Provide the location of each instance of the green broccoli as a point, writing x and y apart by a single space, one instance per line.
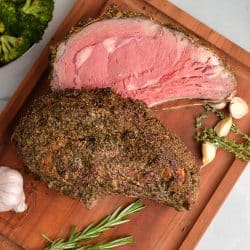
16 1
41 9
30 28
22 24
8 15
2 28
12 47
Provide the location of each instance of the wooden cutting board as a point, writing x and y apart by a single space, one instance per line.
157 227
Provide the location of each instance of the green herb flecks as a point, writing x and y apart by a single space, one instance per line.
204 133
199 119
75 238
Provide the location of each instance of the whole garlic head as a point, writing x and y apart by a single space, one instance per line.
12 196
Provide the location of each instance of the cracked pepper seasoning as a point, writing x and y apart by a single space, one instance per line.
92 143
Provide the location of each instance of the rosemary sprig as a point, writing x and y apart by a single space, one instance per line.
94 230
108 245
203 133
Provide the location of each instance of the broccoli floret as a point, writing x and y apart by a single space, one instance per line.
2 28
16 1
31 28
8 15
12 47
22 23
41 9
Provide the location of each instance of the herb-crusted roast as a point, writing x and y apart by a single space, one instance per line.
92 143
141 59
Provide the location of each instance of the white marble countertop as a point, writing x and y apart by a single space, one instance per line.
230 230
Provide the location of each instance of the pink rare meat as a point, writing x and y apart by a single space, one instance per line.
141 59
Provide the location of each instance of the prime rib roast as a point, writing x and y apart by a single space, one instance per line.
92 143
141 59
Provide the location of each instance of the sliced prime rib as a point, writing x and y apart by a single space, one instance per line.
92 143
141 59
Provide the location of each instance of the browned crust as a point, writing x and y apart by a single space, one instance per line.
137 154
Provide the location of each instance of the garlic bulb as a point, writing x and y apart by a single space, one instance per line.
238 108
223 127
11 191
208 152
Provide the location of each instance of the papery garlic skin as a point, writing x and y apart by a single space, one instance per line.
238 108
12 197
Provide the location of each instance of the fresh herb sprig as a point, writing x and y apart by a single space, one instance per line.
75 238
235 128
204 133
108 245
240 150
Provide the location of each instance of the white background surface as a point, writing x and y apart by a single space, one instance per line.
230 230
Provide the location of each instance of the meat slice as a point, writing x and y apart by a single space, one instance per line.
92 143
141 59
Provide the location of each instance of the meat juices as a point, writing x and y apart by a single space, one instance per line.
140 59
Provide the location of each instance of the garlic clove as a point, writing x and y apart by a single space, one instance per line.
218 105
223 127
208 152
238 108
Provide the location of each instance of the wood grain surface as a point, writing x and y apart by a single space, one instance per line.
6 244
157 227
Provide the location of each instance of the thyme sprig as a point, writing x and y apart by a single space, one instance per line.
75 238
199 119
240 150
235 128
204 133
